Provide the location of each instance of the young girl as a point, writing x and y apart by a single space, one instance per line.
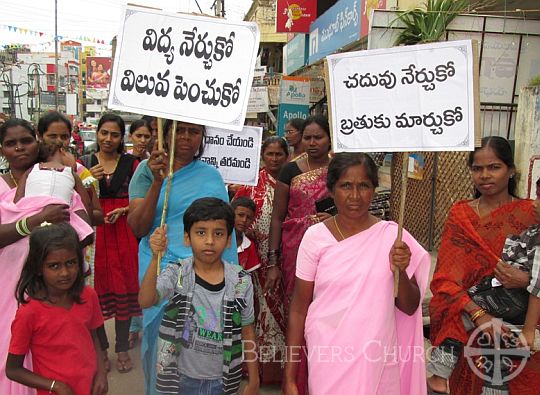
56 319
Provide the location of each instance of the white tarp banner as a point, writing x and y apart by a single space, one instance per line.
414 98
190 68
258 99
235 154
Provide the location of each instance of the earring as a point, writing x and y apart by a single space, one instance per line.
512 175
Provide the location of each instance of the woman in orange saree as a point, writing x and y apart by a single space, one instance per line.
471 246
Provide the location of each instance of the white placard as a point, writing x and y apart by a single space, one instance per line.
258 99
414 98
190 68
235 154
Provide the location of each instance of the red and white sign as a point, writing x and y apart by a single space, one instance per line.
295 16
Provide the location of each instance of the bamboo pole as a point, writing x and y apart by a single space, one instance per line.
169 176
404 179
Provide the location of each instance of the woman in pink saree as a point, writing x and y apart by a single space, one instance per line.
359 338
300 186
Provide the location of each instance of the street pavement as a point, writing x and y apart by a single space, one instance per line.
132 383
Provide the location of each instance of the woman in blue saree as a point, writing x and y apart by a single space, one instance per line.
192 179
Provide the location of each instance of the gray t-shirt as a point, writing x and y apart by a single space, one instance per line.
201 356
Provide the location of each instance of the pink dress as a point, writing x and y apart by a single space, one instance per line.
358 342
12 258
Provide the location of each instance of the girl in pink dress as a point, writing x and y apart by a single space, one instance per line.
56 319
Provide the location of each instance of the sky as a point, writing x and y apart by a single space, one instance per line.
90 19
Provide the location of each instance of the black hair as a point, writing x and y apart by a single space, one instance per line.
502 149
51 117
297 123
538 183
343 160
47 150
110 117
167 126
44 240
243 201
14 122
148 118
139 123
208 209
275 139
319 120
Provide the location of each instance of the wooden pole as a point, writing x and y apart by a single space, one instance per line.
404 179
159 122
169 177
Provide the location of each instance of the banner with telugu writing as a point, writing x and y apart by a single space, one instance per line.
190 68
235 154
414 98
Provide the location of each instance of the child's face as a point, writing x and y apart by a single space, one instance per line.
243 218
208 239
60 270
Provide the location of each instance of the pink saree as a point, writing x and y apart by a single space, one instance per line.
358 342
12 258
304 191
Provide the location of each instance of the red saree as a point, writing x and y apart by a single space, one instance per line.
469 251
270 317
304 191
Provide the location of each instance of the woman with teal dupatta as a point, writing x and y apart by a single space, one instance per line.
192 179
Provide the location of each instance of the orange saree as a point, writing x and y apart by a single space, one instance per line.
469 251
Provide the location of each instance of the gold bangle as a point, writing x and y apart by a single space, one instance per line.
478 314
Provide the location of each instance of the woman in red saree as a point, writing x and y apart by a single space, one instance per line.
270 321
301 184
470 250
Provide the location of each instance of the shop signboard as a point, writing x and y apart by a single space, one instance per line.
258 99
337 27
98 73
296 53
190 68
295 16
367 8
413 98
293 100
286 112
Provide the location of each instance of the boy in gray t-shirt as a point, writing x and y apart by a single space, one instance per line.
209 319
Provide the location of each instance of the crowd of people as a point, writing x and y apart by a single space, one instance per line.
290 283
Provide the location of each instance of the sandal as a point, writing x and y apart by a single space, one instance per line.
124 363
133 339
